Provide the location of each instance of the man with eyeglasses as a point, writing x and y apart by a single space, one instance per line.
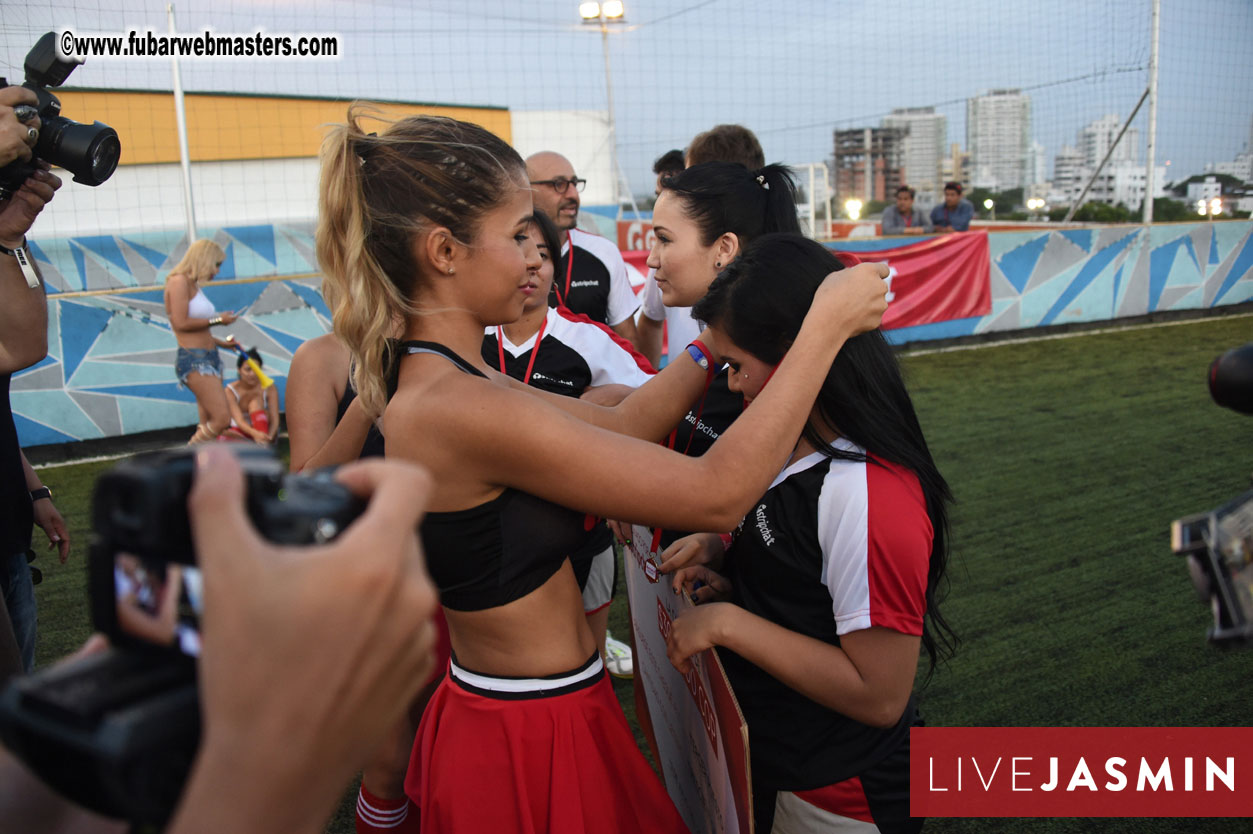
593 280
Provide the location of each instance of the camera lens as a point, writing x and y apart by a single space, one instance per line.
89 152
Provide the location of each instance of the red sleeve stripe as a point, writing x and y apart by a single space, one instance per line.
876 544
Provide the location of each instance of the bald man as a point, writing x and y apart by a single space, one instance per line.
593 278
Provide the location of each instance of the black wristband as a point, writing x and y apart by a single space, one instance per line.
12 253
42 492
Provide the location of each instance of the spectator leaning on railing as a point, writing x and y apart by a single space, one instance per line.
955 213
903 218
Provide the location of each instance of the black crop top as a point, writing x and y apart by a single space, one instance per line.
499 551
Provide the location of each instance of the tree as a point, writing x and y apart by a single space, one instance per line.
1166 210
1093 212
1226 181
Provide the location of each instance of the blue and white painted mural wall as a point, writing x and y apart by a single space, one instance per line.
110 364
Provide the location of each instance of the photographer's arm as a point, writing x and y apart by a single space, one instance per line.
257 751
23 308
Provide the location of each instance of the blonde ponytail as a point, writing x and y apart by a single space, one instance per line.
364 302
377 194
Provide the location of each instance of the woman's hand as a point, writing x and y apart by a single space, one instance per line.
697 629
702 585
855 297
696 549
229 317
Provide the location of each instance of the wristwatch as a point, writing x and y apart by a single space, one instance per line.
42 492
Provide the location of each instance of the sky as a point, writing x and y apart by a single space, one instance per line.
793 73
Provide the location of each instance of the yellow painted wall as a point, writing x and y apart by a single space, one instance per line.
224 127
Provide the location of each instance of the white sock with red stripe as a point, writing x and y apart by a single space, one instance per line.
394 816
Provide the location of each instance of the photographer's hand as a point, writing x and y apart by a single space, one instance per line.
310 654
16 139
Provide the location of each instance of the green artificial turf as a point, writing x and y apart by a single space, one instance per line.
1068 458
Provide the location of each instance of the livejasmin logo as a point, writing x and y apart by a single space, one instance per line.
1081 771
1023 776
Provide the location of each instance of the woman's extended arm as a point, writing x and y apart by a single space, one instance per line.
854 303
487 434
868 677
318 366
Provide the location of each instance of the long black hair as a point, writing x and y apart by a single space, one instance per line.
723 197
863 397
552 239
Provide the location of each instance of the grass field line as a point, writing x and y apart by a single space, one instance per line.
99 458
77 461
1074 334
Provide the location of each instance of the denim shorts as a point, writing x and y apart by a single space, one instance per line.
197 361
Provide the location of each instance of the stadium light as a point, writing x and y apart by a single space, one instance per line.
853 209
987 204
1201 208
1215 207
602 14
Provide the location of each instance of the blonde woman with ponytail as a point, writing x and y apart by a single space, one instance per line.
428 222
192 317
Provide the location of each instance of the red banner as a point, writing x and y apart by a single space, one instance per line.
940 279
1081 772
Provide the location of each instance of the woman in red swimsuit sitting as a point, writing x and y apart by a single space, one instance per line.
254 410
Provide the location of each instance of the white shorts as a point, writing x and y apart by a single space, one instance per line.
793 815
598 592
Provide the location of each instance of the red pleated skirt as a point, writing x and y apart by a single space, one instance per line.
533 756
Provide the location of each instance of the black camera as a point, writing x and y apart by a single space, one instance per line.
1219 549
116 732
89 152
1219 544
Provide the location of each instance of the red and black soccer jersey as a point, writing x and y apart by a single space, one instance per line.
834 546
595 281
576 353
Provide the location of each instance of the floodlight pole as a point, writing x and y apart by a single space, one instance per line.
1150 172
180 115
613 132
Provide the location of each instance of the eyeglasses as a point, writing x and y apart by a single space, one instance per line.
560 184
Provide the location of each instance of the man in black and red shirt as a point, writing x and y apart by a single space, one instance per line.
595 280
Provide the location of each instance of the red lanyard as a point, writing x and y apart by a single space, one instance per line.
674 436
562 296
500 347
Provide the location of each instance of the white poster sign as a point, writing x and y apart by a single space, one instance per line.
701 737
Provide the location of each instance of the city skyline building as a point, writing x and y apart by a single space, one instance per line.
868 163
922 149
1096 138
998 138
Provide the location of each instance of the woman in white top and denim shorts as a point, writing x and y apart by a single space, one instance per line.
192 316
